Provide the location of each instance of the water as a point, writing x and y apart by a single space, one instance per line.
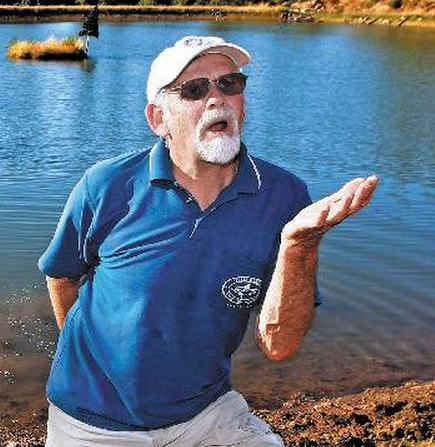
327 102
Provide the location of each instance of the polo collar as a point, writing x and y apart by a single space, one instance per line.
160 163
247 180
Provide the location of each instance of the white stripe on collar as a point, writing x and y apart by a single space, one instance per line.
257 172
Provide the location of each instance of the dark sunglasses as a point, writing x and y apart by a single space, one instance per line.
195 89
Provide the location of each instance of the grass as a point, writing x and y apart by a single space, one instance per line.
385 18
69 48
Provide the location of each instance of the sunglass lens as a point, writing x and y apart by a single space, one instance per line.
232 84
195 89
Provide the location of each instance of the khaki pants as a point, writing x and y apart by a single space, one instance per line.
226 422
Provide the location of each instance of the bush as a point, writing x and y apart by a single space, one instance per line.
49 49
184 2
280 3
229 2
40 2
87 2
396 4
154 2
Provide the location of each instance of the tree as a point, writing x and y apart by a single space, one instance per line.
90 26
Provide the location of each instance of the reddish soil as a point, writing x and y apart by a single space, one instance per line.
377 417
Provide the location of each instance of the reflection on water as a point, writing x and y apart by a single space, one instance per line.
87 65
327 102
27 342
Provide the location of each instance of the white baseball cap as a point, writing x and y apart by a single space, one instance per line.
169 64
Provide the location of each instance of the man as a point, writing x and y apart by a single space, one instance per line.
168 250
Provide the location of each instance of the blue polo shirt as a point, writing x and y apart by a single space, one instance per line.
167 288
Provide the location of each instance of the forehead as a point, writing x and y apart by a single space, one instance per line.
209 65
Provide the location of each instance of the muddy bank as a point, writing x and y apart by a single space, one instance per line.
400 416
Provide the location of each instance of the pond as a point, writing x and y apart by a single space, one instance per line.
327 102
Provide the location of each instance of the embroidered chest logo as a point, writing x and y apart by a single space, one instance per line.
241 291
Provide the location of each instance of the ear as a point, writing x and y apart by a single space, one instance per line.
155 118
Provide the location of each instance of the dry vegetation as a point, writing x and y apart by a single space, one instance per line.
384 12
70 48
360 12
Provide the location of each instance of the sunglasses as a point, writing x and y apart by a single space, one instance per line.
229 84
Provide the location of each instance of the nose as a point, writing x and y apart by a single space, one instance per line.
215 98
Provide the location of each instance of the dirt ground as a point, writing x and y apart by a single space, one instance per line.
377 417
394 417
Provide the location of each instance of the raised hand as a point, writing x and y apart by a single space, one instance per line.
312 222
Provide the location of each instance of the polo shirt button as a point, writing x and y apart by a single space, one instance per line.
189 200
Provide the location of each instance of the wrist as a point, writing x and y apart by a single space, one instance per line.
303 243
293 254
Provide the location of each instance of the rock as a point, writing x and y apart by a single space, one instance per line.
389 410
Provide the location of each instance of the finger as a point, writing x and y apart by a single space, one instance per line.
323 216
340 210
364 193
321 225
349 187
352 184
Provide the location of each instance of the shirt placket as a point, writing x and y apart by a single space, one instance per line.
197 215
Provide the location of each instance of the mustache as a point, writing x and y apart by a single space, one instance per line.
211 116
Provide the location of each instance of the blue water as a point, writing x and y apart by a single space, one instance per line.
327 102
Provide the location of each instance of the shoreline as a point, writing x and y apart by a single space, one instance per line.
300 12
390 416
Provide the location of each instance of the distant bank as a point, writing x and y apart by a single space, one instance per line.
359 12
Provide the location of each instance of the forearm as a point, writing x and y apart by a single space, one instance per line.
288 308
63 294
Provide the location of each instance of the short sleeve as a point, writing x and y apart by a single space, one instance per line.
67 255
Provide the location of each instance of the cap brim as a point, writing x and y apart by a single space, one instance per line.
237 54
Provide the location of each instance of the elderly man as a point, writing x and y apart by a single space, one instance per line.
159 257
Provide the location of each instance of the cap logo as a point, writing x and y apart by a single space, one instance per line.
193 41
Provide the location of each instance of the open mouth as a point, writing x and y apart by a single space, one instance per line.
218 126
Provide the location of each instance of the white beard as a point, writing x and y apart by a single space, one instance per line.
220 150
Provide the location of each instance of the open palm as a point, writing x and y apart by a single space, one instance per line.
314 220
